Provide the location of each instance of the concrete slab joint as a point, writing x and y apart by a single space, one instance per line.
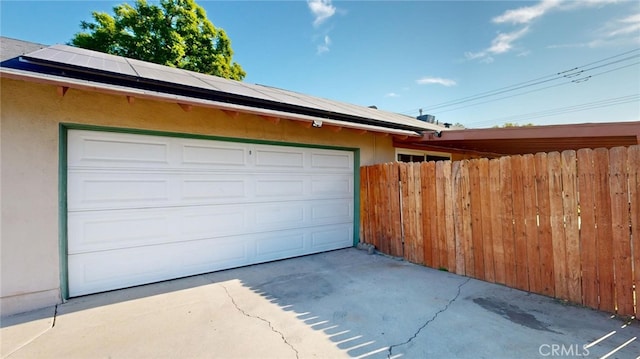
444 309
273 329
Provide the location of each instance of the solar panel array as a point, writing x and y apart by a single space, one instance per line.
92 61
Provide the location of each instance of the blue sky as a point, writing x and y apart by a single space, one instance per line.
478 63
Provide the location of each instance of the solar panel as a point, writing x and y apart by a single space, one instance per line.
289 97
156 72
233 87
88 60
76 57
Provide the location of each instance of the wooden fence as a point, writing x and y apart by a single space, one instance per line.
565 225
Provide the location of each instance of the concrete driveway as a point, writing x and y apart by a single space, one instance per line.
338 304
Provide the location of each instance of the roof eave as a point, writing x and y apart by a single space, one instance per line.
85 85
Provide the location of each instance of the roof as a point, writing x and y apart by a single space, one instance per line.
529 139
11 48
73 67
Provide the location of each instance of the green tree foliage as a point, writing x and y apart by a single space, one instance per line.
177 33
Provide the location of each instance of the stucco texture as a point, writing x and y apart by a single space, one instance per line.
31 115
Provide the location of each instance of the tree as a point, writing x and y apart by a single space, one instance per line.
177 33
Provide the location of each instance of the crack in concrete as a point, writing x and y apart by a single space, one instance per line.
53 324
262 319
55 316
389 356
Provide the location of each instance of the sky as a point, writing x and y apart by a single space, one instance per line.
476 63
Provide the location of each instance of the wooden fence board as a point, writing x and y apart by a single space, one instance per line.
485 213
374 208
419 236
547 272
397 249
588 234
386 216
506 217
633 163
475 201
570 209
428 184
557 225
443 259
620 230
458 214
364 209
393 179
466 235
410 213
496 222
519 229
603 220
383 209
449 218
530 223
405 200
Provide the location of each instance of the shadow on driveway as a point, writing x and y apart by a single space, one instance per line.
337 304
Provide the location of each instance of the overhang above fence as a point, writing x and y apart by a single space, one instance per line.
494 142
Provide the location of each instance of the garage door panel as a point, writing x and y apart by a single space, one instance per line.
283 213
278 247
116 230
335 161
332 186
279 159
136 228
279 187
214 189
109 190
202 155
331 237
113 191
88 148
151 226
97 271
332 211
146 208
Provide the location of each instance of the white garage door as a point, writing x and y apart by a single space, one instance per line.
144 208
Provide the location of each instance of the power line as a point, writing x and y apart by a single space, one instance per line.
570 74
537 81
579 80
568 109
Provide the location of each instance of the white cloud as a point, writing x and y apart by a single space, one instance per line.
501 44
321 10
525 15
504 41
616 32
392 94
435 81
626 26
324 47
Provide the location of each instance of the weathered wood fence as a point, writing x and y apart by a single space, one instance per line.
565 225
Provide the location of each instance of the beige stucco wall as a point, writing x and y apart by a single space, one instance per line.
30 115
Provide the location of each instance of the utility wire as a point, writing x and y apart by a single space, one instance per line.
568 109
537 81
569 74
574 108
579 80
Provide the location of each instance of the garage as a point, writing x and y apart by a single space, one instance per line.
143 208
